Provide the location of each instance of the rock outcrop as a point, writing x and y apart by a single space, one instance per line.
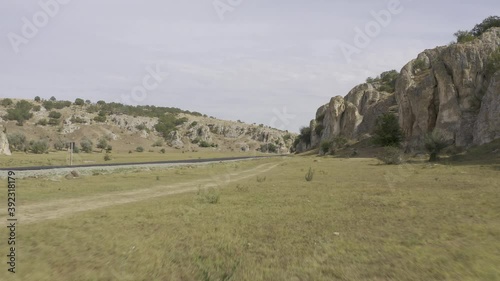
446 89
4 142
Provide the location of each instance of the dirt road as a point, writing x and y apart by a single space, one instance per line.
60 208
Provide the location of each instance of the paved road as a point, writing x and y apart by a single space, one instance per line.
187 161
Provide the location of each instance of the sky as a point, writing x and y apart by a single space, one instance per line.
271 62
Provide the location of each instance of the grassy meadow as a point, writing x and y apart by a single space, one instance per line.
356 220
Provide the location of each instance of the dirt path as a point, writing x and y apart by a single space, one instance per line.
59 208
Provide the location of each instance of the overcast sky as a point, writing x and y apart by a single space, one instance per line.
264 61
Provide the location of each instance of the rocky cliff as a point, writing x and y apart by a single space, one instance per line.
447 89
4 142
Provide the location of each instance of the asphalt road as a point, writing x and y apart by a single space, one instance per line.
188 161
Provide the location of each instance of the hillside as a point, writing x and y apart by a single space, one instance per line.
127 128
453 90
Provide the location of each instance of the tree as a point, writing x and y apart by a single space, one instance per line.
489 22
139 149
434 143
101 102
20 113
305 135
55 115
52 98
37 99
464 36
87 145
79 102
387 131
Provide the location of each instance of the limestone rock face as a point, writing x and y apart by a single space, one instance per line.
487 127
4 143
441 97
446 89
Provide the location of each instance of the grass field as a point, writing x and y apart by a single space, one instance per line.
261 220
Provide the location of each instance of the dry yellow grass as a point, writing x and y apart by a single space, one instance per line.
356 220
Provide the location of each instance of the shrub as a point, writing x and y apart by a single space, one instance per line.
193 124
387 131
464 36
391 156
320 118
319 129
20 113
77 120
434 143
40 147
107 157
109 148
59 145
7 102
42 122
326 146
102 144
101 102
210 196
489 22
49 105
269 148
88 102
340 142
17 142
100 119
87 145
52 98
287 137
163 151
36 108
37 99
261 179
419 65
55 115
79 102
158 143
54 122
309 175
139 149
204 144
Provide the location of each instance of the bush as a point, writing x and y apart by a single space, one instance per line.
87 145
464 36
193 124
59 145
434 143
20 113
100 119
326 146
269 148
55 115
102 144
319 129
77 120
163 151
54 122
79 102
101 102
210 196
261 179
204 144
387 131
139 149
340 142
109 148
419 65
391 156
36 108
158 143
309 175
42 122
40 147
52 98
37 99
7 102
107 157
17 142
